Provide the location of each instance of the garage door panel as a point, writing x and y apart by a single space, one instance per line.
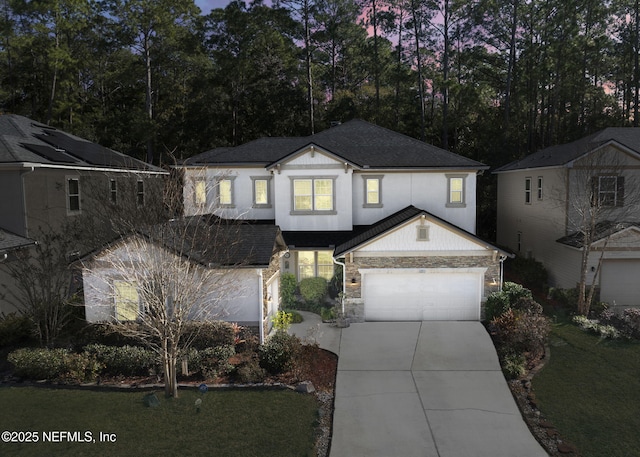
421 296
619 282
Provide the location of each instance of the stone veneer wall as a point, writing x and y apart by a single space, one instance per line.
354 304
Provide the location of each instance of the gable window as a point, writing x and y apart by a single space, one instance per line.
313 195
539 187
140 193
456 191
607 190
200 192
225 192
73 195
313 264
423 233
261 191
372 191
113 191
126 300
527 190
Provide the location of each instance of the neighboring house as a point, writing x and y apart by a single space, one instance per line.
544 197
400 214
12 247
52 182
245 257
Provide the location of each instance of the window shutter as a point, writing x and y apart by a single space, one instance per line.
594 191
620 191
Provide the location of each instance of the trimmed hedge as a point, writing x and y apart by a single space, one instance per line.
54 365
124 360
211 362
15 329
313 290
278 354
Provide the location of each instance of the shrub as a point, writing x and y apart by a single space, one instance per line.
518 332
15 329
279 352
568 298
313 290
327 314
336 283
211 362
530 271
288 286
513 366
124 360
251 372
295 316
499 302
108 334
208 334
282 321
54 364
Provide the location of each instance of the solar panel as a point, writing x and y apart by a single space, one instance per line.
50 153
90 152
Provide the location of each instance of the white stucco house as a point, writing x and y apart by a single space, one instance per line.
542 201
398 213
226 270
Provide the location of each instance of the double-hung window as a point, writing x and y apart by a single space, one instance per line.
126 300
456 191
313 195
261 191
140 192
200 191
539 187
607 190
372 191
73 195
225 192
113 191
527 191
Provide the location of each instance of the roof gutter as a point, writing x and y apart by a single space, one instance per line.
33 165
344 281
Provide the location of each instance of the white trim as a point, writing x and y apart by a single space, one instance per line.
21 165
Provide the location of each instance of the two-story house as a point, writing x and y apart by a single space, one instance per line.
560 201
398 214
53 182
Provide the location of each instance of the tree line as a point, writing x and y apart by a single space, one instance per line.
158 79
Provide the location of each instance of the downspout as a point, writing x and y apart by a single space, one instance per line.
344 281
30 169
261 303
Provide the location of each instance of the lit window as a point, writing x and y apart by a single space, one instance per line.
527 190
225 192
113 191
127 301
200 191
73 195
140 193
456 190
313 264
372 191
313 194
261 193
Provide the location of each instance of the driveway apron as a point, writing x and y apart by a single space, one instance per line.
424 389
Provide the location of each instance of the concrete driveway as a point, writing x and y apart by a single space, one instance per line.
423 389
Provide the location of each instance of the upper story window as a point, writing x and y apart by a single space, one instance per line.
126 300
200 192
456 191
607 190
113 191
539 187
261 191
225 192
73 195
313 195
372 191
527 190
140 192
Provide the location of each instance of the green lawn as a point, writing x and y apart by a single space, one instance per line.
590 390
234 423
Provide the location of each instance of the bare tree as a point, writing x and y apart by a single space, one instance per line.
164 277
602 198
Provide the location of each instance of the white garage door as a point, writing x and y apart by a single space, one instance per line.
620 282
422 295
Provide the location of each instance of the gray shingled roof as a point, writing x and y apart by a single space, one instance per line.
212 241
357 142
24 140
395 220
565 153
10 241
602 230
